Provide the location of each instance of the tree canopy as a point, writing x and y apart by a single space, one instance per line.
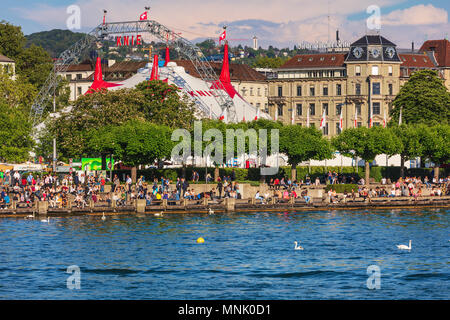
423 99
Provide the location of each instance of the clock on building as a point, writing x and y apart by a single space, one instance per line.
390 51
358 52
375 52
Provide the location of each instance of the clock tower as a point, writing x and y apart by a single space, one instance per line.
373 70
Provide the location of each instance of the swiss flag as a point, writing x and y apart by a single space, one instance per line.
223 36
143 16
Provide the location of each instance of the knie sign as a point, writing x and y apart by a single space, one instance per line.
129 41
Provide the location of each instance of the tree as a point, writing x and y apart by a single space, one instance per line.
15 129
266 62
162 104
366 144
411 137
423 99
436 145
302 144
34 65
134 142
12 40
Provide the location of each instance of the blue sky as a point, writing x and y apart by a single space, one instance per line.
276 22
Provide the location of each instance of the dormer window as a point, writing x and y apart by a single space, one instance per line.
310 59
333 58
322 58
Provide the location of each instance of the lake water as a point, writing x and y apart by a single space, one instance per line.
245 256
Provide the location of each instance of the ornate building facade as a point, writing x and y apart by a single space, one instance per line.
361 83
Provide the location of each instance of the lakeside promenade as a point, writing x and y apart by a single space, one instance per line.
222 205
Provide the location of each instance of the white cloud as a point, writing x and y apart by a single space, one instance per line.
276 22
417 15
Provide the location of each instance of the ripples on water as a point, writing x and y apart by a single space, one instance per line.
245 256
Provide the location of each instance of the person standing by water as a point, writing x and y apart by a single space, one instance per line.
219 188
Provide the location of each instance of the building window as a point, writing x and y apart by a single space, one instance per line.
325 108
325 90
266 108
325 129
243 91
376 108
280 110
299 109
251 91
79 90
68 77
391 89
375 70
312 125
312 91
299 91
376 88
390 70
79 76
359 124
338 109
358 89
358 108
258 106
338 90
280 91
358 70
265 92
376 124
312 109
338 129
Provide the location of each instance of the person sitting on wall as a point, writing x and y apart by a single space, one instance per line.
258 197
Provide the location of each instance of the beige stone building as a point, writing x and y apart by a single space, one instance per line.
8 66
362 83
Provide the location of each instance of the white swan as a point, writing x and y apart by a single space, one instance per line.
46 220
297 247
103 217
159 214
210 211
30 216
404 247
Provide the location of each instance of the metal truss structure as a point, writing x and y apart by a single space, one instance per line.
181 45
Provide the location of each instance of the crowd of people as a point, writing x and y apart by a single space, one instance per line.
79 189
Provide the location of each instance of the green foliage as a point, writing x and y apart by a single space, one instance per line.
367 143
266 62
436 144
12 40
54 41
303 144
134 142
34 65
161 104
423 99
15 129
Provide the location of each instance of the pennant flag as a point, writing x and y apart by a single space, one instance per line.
98 83
323 121
292 116
257 114
224 82
167 57
341 121
223 36
356 117
143 16
371 117
155 73
243 120
400 117
223 115
384 119
276 114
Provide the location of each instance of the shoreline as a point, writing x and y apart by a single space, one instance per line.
226 206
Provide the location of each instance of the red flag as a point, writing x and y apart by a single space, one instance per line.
143 16
223 36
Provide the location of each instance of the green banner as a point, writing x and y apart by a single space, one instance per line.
94 164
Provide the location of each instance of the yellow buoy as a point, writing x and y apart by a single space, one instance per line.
200 240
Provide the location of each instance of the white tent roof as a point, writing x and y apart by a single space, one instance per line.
196 89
